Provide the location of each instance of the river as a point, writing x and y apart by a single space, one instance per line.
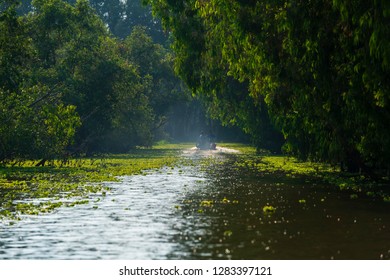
199 212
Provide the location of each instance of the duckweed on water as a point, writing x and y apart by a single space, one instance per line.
70 184
26 189
268 209
206 203
355 183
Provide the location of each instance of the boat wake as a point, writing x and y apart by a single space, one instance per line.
218 150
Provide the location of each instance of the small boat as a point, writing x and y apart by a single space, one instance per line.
206 145
206 142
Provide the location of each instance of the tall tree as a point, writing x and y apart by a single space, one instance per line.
120 16
203 65
320 68
34 121
67 83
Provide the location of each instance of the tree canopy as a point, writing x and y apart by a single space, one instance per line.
317 71
120 16
67 85
308 76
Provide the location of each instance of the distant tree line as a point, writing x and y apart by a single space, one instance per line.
315 72
68 86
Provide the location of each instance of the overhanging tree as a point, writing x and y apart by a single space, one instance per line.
320 67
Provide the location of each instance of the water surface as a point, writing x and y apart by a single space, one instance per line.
192 212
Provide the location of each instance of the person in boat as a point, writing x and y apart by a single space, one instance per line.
212 144
206 142
202 141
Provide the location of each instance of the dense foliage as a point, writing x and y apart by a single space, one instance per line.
120 16
68 86
82 76
317 70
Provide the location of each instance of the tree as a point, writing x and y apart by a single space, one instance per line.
109 95
120 16
319 69
155 63
34 124
202 64
123 16
64 78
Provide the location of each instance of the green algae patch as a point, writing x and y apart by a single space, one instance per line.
26 189
288 165
29 190
206 203
268 209
357 184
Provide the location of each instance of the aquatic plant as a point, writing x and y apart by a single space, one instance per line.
206 203
268 209
71 184
264 163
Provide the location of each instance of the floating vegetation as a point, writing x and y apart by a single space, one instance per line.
27 189
206 203
265 163
268 209
72 184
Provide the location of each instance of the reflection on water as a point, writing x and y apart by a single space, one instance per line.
135 221
311 221
185 213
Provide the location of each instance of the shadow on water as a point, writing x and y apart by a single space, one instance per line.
310 220
207 211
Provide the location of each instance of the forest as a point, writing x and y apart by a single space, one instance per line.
306 78
195 129
73 84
